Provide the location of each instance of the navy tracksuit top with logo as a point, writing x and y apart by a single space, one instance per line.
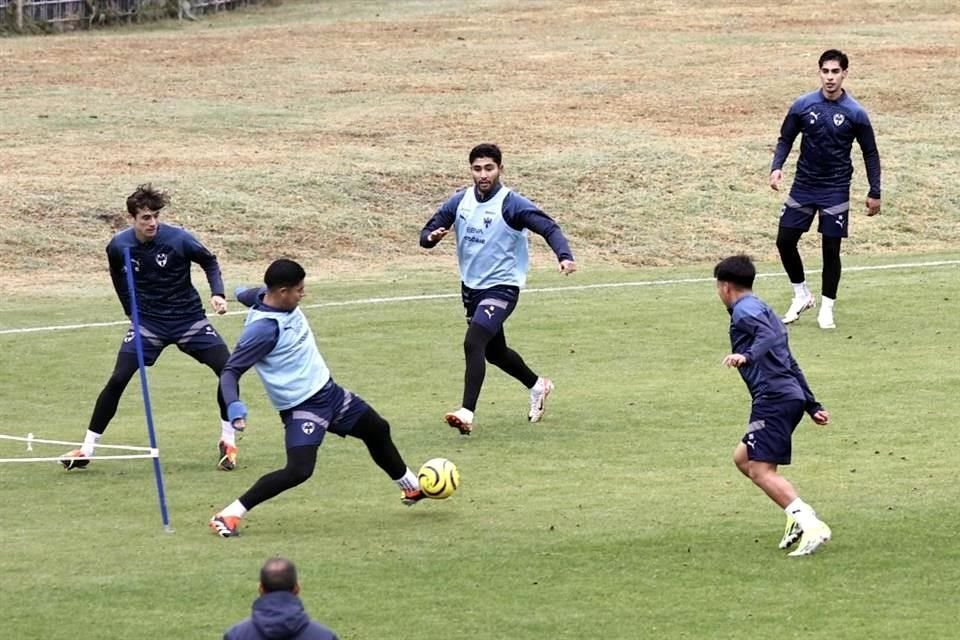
162 273
829 128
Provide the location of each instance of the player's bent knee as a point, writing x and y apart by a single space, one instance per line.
298 474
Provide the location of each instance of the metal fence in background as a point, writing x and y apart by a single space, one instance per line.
61 15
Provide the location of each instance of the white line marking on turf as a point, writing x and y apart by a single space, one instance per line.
67 443
440 296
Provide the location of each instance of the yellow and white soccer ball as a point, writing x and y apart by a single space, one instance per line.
439 478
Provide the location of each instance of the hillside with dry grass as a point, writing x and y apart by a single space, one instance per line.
331 131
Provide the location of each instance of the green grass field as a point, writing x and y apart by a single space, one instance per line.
619 516
329 132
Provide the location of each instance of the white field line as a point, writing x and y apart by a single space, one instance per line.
440 296
136 456
30 440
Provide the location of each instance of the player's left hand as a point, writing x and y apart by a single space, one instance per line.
568 266
821 417
873 206
735 360
219 304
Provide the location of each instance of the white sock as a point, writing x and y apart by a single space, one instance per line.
90 442
228 434
800 290
235 510
802 513
827 303
539 385
408 482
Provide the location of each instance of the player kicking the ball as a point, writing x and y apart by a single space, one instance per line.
277 340
780 393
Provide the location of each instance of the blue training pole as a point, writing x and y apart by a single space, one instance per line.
138 343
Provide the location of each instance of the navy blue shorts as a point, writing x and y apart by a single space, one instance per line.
770 431
833 209
190 336
332 409
491 307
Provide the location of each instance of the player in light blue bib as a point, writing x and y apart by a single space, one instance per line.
491 225
278 342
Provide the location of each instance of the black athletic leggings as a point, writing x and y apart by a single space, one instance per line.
372 429
480 347
126 366
787 241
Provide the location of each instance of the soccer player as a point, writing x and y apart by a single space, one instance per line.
170 311
491 225
277 340
830 120
781 395
278 612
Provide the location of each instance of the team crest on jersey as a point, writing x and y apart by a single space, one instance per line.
308 427
487 222
162 259
838 119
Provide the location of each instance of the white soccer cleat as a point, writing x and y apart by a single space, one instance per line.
825 319
461 420
538 399
798 306
812 540
791 533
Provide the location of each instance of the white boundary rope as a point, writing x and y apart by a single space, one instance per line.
30 440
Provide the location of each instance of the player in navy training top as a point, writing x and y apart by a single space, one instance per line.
830 120
491 224
780 393
170 310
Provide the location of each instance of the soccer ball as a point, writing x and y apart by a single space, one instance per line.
438 478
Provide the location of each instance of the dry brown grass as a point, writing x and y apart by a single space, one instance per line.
330 131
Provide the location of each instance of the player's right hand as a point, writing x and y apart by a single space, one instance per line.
776 177
437 234
821 417
735 360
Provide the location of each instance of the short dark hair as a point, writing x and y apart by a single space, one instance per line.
737 269
834 54
283 273
146 197
486 150
278 574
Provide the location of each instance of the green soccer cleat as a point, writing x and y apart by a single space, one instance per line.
791 534
812 540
